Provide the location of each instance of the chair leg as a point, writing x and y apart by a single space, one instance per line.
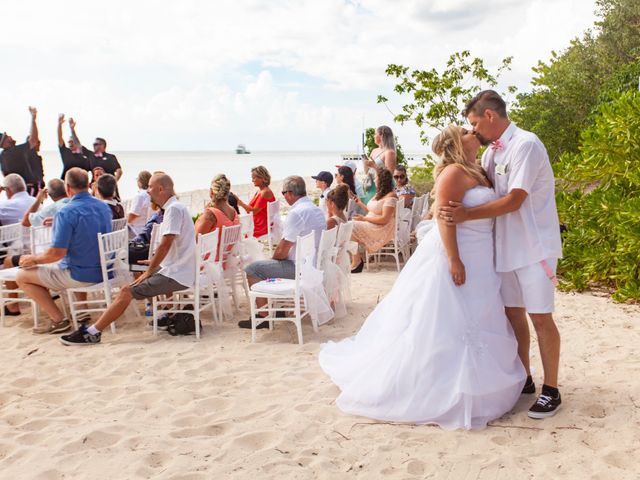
298 321
196 313
72 310
254 321
154 314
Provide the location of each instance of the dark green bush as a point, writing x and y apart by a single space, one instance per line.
599 201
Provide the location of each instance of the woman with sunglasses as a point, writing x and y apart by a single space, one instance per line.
403 189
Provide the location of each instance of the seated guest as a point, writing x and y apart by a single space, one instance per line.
323 183
403 188
218 213
75 245
303 218
337 201
172 267
140 244
377 228
345 177
18 200
258 205
96 173
37 213
359 190
137 215
72 156
106 186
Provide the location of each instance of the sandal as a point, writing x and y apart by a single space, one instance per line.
53 327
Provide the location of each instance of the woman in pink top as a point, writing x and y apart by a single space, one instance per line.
258 205
218 213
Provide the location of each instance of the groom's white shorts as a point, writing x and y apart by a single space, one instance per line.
529 288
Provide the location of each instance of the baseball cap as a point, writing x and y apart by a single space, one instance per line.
324 177
349 163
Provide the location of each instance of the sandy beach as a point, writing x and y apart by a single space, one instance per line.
139 406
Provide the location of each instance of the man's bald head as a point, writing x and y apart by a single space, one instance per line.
77 179
160 188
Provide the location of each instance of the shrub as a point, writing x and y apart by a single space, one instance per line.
599 201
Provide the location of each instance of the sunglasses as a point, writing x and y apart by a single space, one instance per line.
398 177
285 192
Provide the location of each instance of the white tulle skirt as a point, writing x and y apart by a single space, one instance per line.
432 352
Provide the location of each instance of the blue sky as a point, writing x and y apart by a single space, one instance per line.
274 75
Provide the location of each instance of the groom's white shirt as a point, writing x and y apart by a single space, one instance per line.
531 233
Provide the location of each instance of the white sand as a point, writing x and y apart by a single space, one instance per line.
139 406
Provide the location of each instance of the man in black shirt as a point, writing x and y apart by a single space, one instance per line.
16 158
101 158
72 156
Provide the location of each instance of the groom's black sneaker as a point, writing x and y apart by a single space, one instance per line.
81 337
529 386
547 405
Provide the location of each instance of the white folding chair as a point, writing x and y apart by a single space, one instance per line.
416 217
326 248
341 253
273 231
114 261
118 224
283 295
398 246
126 205
154 241
40 239
11 238
246 221
230 249
206 247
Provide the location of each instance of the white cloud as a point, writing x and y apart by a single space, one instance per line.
275 74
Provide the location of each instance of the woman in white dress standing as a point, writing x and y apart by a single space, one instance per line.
438 349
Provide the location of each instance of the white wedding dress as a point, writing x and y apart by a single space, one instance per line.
432 352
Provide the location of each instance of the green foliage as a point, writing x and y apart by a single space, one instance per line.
569 87
438 98
421 177
599 201
370 144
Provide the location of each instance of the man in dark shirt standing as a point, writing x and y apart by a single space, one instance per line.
17 158
100 158
72 156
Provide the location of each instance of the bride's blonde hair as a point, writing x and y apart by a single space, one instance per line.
448 147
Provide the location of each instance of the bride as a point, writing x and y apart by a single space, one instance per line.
438 349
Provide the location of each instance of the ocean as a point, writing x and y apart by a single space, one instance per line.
194 170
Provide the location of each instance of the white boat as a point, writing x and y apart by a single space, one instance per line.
241 149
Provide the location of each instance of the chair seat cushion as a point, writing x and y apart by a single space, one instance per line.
275 286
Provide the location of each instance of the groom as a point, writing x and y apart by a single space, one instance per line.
527 235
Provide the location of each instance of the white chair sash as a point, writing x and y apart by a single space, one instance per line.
315 297
216 275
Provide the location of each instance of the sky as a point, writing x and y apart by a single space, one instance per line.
270 74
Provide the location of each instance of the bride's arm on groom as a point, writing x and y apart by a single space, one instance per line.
454 212
451 186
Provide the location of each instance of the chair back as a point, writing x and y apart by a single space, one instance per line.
326 248
416 211
11 239
206 248
114 257
126 205
305 251
154 239
425 206
40 238
343 238
246 221
118 224
403 222
229 237
273 212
